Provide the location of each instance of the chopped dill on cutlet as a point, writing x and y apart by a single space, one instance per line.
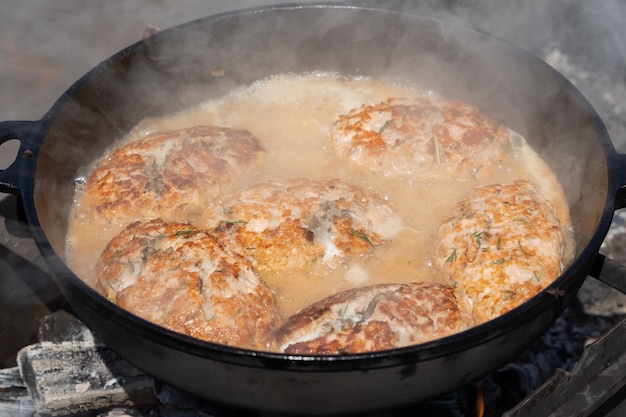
361 235
186 233
452 257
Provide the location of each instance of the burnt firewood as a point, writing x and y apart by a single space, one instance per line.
76 377
14 398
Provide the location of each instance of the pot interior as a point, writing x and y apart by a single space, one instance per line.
183 66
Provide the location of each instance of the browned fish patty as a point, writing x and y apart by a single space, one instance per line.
168 170
375 317
289 225
182 278
424 137
502 246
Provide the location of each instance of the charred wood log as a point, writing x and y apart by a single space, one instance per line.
76 377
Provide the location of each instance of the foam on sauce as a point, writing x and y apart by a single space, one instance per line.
292 115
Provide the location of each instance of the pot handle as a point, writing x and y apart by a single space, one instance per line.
20 130
620 198
609 272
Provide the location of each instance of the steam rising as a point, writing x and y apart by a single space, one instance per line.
582 39
590 31
75 36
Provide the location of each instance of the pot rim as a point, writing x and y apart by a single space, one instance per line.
434 349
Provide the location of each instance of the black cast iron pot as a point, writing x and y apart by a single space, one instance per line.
178 68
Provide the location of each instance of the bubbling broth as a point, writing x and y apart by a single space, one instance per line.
291 115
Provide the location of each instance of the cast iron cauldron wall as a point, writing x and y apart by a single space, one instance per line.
175 69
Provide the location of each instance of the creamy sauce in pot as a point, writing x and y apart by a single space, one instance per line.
291 115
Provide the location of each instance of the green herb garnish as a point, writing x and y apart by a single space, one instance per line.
452 256
186 233
361 235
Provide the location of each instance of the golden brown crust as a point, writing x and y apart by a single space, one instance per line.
182 278
375 317
169 169
289 225
424 137
502 246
